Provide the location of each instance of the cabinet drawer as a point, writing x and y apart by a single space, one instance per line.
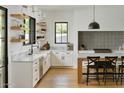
35 75
44 63
35 80
36 63
35 70
44 67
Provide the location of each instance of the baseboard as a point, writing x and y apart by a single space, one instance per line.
67 67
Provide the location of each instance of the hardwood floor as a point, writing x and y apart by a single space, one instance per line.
67 78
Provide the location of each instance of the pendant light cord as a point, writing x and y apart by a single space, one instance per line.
94 25
93 13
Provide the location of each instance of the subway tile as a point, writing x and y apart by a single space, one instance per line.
110 40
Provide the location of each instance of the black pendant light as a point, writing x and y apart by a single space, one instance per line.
94 24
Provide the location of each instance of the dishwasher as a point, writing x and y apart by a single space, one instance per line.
41 66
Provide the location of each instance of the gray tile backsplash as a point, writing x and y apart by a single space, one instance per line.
101 39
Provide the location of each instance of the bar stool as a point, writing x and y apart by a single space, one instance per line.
120 69
110 64
92 64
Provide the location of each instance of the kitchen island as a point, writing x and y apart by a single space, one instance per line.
82 57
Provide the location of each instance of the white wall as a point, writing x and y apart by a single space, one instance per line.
110 18
59 16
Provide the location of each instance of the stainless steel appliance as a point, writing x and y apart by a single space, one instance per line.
41 66
3 48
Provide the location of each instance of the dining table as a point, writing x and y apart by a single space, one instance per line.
80 67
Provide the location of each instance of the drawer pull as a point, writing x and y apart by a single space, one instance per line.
45 62
36 79
35 70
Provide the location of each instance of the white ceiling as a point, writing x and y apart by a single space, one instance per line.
73 7
60 7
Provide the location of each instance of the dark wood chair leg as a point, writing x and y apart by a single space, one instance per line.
97 75
121 75
113 74
87 75
105 76
118 75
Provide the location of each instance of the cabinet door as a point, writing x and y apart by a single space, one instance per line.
35 72
2 77
47 65
63 59
56 59
69 59
44 67
53 58
48 60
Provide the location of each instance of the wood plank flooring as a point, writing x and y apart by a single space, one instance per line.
67 78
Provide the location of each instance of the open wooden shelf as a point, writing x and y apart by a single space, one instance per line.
42 26
19 16
18 28
41 23
17 40
42 32
23 40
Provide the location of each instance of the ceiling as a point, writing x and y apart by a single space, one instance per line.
73 7
60 7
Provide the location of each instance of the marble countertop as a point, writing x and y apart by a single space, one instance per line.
30 58
86 53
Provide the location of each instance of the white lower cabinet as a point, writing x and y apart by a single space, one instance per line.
25 74
35 72
56 59
46 63
69 59
62 58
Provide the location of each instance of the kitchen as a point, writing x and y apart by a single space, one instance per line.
31 57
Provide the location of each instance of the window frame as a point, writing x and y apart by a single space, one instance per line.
61 34
6 45
32 35
24 44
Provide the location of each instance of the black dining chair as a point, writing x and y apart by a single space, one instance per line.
92 64
110 67
120 69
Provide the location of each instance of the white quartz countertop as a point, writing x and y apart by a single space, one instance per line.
30 58
86 53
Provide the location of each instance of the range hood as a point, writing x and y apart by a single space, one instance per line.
102 50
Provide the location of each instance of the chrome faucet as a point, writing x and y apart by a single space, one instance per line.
31 50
